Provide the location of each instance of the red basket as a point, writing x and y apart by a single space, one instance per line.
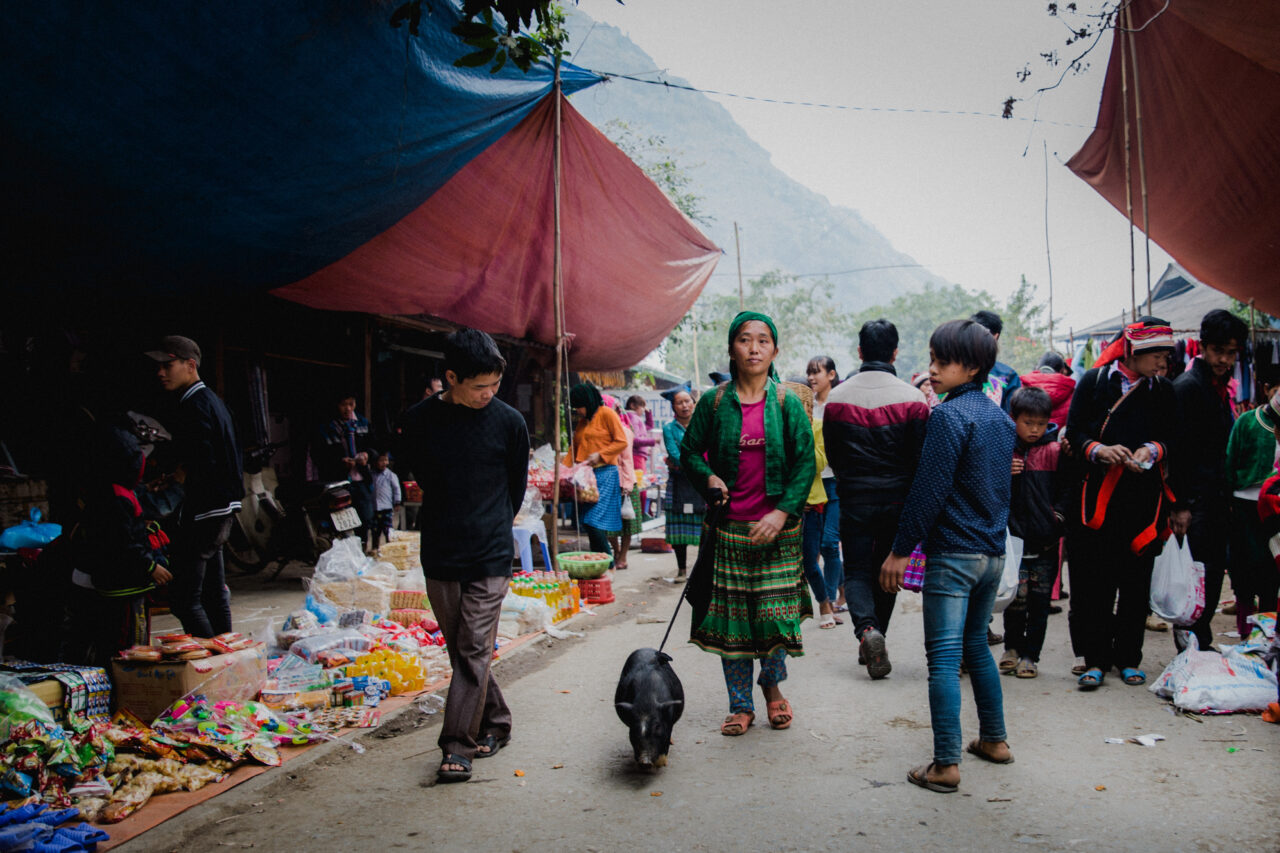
597 591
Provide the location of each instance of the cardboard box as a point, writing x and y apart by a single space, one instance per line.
147 689
51 692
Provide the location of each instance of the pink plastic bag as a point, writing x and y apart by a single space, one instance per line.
913 578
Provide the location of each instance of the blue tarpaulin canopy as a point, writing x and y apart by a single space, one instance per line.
231 144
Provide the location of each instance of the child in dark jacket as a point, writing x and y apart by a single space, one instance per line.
1035 517
118 557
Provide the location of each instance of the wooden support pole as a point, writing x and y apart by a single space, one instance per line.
557 300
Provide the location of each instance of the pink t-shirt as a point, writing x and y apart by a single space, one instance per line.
747 498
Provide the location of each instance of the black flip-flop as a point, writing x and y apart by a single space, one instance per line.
920 776
446 776
492 744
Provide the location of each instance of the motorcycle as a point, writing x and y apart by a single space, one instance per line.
282 522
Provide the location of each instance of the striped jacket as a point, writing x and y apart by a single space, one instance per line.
873 428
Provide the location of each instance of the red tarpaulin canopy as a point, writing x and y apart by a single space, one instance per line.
479 251
1209 77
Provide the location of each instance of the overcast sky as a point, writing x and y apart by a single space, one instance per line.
954 192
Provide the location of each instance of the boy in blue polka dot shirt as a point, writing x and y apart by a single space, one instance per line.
958 507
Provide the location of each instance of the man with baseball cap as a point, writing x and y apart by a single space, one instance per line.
213 481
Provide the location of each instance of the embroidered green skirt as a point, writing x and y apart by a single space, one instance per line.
758 597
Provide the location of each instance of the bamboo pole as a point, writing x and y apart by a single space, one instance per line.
737 247
1128 176
1047 257
1142 161
557 306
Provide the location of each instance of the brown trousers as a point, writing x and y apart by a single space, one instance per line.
468 613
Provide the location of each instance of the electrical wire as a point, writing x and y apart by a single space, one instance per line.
609 75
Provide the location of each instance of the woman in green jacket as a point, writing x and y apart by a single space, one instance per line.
758 447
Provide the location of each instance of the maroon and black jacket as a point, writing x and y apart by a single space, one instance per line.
873 427
1038 506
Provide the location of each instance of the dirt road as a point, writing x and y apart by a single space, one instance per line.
834 781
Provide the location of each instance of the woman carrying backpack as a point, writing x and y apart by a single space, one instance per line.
758 446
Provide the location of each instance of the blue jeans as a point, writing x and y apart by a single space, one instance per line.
958 592
821 537
832 564
814 520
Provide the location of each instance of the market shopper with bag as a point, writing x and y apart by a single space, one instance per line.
1199 475
958 506
470 453
758 446
684 506
598 441
1123 418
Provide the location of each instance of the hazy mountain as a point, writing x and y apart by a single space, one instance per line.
785 225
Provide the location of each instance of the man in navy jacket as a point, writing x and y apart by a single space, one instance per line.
213 483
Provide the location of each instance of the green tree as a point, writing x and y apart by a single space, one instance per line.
661 163
808 319
1023 340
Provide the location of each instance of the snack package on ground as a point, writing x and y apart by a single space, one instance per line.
342 561
412 580
1212 683
250 728
43 759
18 705
408 599
403 671
360 690
131 796
309 649
531 614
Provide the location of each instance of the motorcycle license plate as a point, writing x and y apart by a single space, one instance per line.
345 519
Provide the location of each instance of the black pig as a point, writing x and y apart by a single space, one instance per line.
650 700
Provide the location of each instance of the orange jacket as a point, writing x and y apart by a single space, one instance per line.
603 435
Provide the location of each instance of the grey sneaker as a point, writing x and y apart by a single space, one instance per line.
874 654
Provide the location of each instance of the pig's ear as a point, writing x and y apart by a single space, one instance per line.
623 707
670 703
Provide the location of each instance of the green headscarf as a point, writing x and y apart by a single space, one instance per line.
585 396
742 319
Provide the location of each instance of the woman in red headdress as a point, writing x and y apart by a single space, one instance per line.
1120 426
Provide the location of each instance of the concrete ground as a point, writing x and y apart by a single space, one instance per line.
834 781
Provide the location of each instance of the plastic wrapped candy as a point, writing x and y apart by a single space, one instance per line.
18 705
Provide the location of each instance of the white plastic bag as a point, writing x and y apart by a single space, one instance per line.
1177 584
1007 591
628 510
1212 683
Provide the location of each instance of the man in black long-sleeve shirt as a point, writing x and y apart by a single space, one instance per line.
1198 473
470 453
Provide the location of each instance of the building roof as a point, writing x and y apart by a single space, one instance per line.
1177 298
